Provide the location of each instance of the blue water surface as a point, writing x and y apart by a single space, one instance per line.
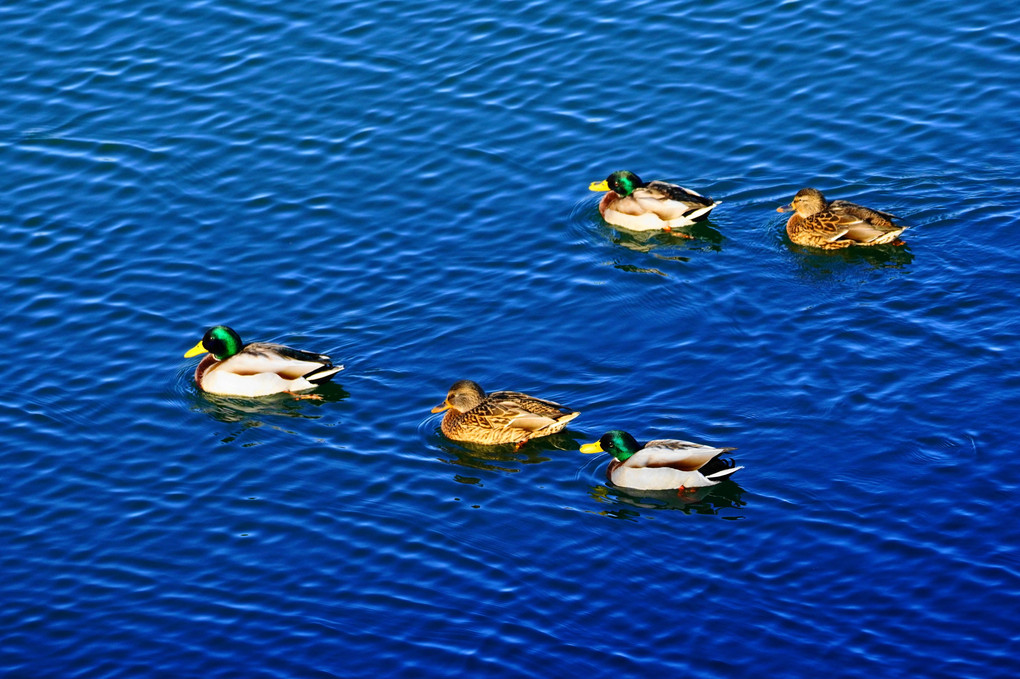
403 186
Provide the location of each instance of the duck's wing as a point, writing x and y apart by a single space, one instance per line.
514 409
864 225
678 193
682 455
867 214
525 403
287 362
668 201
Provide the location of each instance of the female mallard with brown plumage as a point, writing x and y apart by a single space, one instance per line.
500 417
635 205
664 464
233 368
818 223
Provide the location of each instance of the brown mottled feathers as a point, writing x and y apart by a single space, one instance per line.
839 224
500 417
864 213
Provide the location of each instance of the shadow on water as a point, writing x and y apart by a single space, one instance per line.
664 246
500 458
674 245
231 409
876 257
698 236
630 503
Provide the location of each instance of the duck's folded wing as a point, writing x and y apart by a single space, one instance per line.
503 414
864 231
263 357
866 214
682 455
677 444
290 352
665 205
680 193
865 225
529 404
524 412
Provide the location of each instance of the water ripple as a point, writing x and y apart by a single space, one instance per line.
404 187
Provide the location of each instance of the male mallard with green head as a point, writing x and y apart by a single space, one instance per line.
639 206
818 223
233 368
663 464
499 417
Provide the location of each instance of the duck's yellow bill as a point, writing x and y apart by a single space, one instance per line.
441 407
599 186
785 208
589 448
196 350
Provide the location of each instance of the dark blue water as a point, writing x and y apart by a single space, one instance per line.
403 186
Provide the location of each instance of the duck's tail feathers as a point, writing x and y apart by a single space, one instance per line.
568 417
543 423
701 212
890 236
323 374
723 473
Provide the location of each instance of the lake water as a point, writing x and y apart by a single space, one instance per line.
404 186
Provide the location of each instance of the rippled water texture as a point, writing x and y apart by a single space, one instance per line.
404 187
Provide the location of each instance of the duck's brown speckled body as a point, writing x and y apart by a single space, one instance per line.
499 417
840 224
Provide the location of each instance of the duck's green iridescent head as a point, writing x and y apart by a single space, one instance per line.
220 341
621 182
619 444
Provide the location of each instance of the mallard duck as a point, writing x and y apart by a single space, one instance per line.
233 368
817 223
664 464
500 417
638 206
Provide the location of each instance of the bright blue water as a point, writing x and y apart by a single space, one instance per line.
403 186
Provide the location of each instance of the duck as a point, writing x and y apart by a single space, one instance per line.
817 223
639 206
473 416
234 368
663 464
